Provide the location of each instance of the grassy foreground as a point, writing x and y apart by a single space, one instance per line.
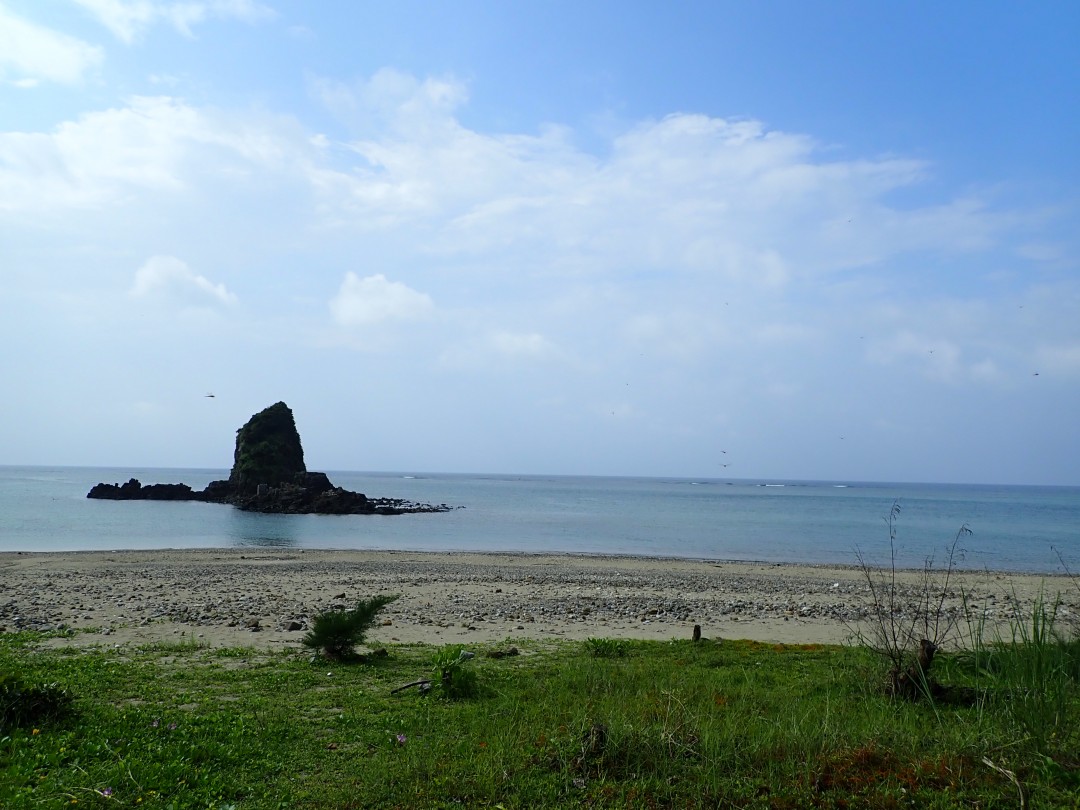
601 724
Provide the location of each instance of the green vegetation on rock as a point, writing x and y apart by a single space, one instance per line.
268 450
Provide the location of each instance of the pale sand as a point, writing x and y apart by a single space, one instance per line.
215 597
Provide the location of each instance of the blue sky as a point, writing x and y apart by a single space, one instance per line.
739 240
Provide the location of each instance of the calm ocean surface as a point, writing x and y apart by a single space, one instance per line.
1014 528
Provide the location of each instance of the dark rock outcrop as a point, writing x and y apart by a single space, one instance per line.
268 451
269 475
135 491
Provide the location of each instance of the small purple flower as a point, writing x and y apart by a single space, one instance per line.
107 792
156 723
401 739
172 726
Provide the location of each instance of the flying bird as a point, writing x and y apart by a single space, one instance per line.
209 396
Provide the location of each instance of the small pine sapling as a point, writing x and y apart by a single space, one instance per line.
336 633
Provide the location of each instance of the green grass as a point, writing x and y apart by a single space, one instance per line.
728 724
605 647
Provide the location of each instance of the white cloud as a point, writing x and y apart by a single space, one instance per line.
169 280
680 216
127 19
124 19
154 144
691 272
729 198
688 195
30 53
415 161
375 299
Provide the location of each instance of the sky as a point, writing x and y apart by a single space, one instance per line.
781 240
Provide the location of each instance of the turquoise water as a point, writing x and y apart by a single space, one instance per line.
1014 528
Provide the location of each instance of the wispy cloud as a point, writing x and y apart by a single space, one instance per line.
31 53
689 247
689 192
704 197
169 280
128 19
151 145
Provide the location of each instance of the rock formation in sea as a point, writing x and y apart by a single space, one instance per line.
268 451
269 475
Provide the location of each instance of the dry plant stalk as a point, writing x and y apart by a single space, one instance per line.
906 631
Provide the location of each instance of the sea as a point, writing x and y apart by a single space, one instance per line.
1032 529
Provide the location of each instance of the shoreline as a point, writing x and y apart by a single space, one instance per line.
250 597
256 550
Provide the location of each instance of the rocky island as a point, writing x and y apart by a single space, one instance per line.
269 475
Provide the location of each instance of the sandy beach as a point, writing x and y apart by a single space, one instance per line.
266 598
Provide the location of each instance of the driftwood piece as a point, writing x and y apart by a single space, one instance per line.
423 683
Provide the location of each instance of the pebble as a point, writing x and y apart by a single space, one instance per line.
442 592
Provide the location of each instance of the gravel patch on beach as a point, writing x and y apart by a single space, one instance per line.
263 598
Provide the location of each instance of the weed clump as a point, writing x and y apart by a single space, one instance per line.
452 674
605 647
336 633
1033 676
23 704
